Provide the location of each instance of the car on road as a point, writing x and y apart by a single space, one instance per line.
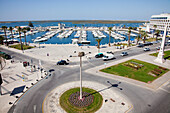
4 55
140 45
146 49
148 44
158 48
62 62
124 54
99 55
108 57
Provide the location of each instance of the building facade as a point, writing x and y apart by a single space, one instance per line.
160 21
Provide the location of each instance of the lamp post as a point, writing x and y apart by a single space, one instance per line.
81 54
160 57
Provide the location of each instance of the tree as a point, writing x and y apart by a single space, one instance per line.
30 24
4 28
24 31
11 28
138 37
155 26
144 35
129 32
28 29
19 30
1 40
157 32
98 41
110 30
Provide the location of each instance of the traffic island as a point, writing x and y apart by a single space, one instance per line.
70 101
96 97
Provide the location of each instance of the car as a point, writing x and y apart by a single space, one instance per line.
140 45
99 55
124 54
158 48
148 44
62 62
5 56
108 57
110 52
146 49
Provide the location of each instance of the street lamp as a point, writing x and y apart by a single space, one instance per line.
81 54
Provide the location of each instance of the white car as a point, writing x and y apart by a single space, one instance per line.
108 57
146 49
124 54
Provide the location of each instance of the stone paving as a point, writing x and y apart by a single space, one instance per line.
16 76
116 102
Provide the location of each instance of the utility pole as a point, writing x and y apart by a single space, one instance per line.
81 54
0 83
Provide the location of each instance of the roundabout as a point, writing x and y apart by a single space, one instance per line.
96 98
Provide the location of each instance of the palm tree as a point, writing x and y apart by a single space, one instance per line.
11 28
138 37
157 34
154 26
98 41
110 30
1 39
24 31
144 35
129 32
19 30
4 28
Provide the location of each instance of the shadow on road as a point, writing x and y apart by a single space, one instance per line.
112 85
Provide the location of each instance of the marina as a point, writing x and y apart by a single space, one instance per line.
67 33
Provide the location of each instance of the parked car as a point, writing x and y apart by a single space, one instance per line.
108 57
146 49
62 62
148 44
124 54
99 55
4 55
140 45
110 52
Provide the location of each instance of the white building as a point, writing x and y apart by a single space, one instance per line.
160 21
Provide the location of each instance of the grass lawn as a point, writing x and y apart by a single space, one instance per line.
166 54
18 46
69 108
140 74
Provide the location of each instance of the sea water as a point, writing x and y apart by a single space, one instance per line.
56 40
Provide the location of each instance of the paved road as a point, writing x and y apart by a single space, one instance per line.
143 100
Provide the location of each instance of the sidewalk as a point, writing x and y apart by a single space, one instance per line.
143 57
16 80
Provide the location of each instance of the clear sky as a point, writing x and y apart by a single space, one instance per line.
18 10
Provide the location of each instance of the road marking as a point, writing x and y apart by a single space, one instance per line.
164 90
35 107
163 84
129 109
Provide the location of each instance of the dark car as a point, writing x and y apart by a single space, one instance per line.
4 55
62 62
148 44
99 55
140 45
